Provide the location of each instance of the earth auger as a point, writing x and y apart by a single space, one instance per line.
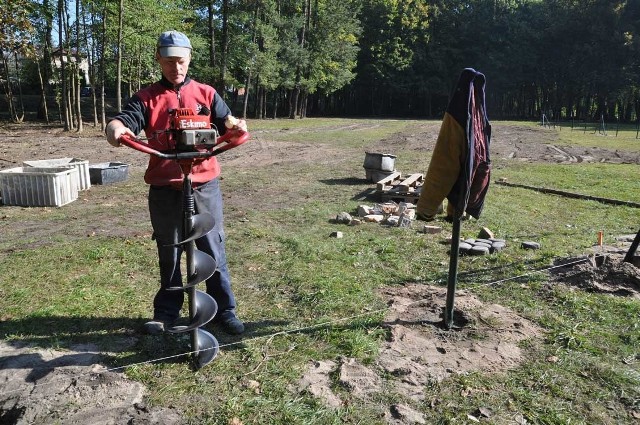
194 139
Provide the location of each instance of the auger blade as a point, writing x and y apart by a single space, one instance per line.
207 349
205 309
201 224
205 266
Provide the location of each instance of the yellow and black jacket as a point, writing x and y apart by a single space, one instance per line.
460 165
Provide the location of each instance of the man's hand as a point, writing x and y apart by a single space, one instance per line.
114 130
241 125
234 123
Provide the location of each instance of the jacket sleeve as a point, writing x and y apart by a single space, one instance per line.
133 115
220 112
445 165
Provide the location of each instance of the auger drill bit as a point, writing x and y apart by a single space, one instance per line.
200 266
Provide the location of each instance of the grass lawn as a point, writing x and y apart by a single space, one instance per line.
309 297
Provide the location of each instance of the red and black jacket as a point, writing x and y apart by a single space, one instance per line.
148 110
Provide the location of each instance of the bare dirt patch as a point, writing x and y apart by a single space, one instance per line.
524 143
486 336
70 387
519 143
419 350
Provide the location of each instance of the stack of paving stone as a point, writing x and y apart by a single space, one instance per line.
481 246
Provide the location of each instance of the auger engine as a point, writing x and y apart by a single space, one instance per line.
189 129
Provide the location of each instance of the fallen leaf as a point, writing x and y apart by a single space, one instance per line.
521 420
253 385
484 412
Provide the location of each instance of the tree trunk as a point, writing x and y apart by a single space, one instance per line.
71 111
250 69
245 101
119 57
302 41
71 75
293 106
103 117
256 110
46 64
303 105
20 98
8 90
264 103
276 97
212 34
43 96
78 59
224 50
91 54
260 102
63 73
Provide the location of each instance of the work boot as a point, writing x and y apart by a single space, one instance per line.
230 323
156 327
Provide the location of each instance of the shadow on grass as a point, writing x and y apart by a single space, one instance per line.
345 181
40 343
368 194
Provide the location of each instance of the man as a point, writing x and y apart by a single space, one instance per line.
148 110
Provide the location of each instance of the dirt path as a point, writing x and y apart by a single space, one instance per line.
31 142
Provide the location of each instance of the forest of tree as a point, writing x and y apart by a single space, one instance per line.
566 59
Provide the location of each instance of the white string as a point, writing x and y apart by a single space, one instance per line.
184 354
579 261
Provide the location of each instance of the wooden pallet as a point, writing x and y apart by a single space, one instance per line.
398 189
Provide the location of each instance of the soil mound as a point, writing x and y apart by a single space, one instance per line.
603 273
419 350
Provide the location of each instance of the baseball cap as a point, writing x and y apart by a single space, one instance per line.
174 43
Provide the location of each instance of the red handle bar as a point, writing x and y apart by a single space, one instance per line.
231 139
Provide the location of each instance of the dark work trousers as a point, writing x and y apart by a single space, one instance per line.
166 211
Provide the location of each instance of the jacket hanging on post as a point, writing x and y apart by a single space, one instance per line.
460 166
